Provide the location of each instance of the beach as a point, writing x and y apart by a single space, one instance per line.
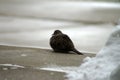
29 63
26 28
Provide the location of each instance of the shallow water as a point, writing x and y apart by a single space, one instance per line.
31 23
36 33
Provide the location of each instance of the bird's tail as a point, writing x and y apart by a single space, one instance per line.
76 51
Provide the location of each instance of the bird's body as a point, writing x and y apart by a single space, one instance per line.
62 43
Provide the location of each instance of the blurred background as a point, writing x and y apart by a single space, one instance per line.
30 23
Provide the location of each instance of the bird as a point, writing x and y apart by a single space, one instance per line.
61 42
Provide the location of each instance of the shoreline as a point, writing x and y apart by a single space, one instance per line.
35 47
35 60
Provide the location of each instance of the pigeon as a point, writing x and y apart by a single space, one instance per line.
62 43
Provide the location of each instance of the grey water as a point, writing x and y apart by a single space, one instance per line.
31 24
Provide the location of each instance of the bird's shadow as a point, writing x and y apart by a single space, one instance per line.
70 52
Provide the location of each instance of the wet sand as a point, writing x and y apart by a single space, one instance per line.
38 57
30 74
31 24
31 58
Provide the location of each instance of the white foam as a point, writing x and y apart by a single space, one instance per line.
101 66
57 68
115 75
13 66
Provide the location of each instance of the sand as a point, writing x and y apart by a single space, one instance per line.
31 58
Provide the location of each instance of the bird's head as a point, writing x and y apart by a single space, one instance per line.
57 32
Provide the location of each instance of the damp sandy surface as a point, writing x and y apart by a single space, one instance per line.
29 74
29 63
30 24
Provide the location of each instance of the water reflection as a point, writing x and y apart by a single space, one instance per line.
36 33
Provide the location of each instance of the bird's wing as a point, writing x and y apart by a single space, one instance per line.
67 41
